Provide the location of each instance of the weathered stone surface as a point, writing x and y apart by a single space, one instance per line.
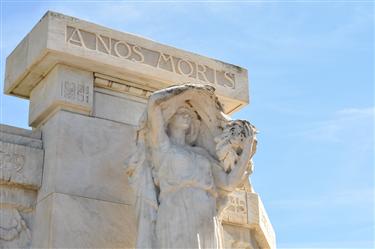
236 211
65 221
238 237
259 221
84 156
15 135
118 107
21 164
245 209
67 40
14 230
63 88
16 197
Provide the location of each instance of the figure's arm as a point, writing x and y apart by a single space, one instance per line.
229 181
157 124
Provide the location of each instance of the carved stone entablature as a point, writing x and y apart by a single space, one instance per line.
59 39
122 86
126 50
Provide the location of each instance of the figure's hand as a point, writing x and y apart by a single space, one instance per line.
250 141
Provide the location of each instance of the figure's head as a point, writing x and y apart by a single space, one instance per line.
182 118
186 119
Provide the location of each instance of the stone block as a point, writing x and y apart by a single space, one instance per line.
85 156
19 198
61 39
245 209
64 221
63 88
238 237
21 165
118 107
15 135
259 221
236 211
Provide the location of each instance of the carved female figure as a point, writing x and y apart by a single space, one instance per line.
176 173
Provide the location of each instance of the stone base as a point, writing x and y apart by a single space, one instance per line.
66 221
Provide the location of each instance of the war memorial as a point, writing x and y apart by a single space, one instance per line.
132 145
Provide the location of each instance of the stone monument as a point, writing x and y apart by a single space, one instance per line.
72 181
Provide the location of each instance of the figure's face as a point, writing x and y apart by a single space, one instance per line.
182 119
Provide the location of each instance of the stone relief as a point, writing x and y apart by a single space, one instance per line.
122 87
75 91
189 158
11 164
236 209
14 232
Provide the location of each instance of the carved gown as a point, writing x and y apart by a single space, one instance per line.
187 210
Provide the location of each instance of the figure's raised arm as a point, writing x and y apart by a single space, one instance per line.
156 122
241 170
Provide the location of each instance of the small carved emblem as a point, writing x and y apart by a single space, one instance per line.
236 211
75 91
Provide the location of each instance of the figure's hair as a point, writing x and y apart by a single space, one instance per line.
245 128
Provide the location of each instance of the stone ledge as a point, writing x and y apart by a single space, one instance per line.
246 209
7 129
65 221
60 39
21 165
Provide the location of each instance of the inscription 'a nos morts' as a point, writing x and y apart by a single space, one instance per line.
137 54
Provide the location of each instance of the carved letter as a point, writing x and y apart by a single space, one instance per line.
179 65
76 38
107 47
230 78
165 59
137 51
127 48
201 71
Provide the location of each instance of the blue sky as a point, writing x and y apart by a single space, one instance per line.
311 71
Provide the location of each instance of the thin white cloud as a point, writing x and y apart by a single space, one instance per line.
349 123
350 197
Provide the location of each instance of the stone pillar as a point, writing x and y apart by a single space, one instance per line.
84 200
88 86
